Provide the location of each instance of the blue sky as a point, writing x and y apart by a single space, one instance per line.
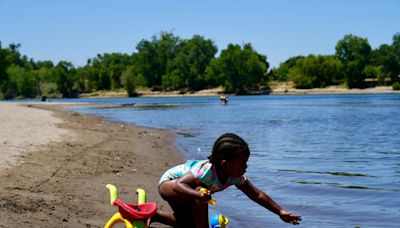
75 30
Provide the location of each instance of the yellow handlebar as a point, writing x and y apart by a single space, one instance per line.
141 196
205 191
113 193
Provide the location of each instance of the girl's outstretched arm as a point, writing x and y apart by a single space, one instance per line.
264 200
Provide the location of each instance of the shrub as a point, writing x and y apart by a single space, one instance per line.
396 86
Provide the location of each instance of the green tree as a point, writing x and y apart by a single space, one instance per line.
187 69
8 56
65 78
154 57
382 62
116 63
104 71
280 73
146 63
22 82
238 69
11 58
395 67
354 53
375 72
3 65
42 74
10 88
92 75
3 70
128 80
315 71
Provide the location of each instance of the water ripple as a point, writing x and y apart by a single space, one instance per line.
330 173
338 185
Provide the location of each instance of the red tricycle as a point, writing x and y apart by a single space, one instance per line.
138 215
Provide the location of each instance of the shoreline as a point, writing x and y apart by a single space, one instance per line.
278 89
283 89
62 183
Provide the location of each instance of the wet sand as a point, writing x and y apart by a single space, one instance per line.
57 176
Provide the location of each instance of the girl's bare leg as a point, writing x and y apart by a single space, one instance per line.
183 214
182 208
200 214
186 212
164 217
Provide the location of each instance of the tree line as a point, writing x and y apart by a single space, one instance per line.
166 62
354 64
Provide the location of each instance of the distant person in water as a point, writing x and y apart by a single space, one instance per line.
226 166
224 99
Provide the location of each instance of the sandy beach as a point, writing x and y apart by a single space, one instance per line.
26 129
277 88
285 89
280 88
55 165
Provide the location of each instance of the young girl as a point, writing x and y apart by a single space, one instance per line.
226 166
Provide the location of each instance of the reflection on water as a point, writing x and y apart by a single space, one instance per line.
335 159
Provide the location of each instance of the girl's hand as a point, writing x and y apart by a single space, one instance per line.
289 217
205 195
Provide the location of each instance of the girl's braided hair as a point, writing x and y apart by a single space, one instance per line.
227 147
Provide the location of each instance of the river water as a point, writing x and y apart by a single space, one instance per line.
334 159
